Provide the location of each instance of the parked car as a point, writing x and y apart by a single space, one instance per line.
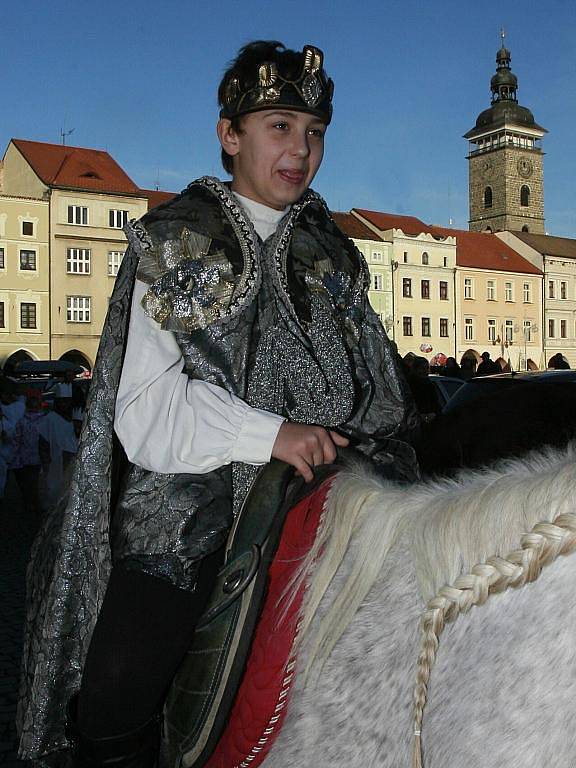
495 417
483 386
446 387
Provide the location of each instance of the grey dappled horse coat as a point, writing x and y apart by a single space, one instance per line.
502 690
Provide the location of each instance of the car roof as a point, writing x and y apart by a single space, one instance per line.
481 386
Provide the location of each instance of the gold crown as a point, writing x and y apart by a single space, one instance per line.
310 92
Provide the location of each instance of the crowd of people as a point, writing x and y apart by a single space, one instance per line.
39 437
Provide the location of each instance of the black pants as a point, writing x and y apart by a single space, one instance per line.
141 636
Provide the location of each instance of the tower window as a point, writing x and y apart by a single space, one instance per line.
488 197
525 196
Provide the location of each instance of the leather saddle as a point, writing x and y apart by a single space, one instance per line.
204 688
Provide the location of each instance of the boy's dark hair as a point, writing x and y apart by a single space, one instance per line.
240 81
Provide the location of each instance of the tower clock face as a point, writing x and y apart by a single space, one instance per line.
525 167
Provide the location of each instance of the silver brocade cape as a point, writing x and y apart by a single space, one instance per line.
284 325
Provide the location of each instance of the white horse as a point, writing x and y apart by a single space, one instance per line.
382 682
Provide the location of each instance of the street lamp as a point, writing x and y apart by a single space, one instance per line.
528 328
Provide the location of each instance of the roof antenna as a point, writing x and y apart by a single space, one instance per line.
64 133
157 185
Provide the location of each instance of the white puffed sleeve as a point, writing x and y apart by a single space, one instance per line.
167 422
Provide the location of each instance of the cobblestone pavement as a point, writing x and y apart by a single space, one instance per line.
17 531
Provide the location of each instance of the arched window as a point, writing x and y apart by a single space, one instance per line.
424 258
488 197
525 196
525 228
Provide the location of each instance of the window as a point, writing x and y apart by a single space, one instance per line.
525 196
444 327
407 326
28 260
405 258
445 260
527 330
562 329
488 197
527 293
509 330
491 330
28 228
77 214
468 328
425 326
407 287
78 261
2 319
551 329
550 289
78 309
443 290
491 290
468 288
508 292
425 289
118 219
563 290
27 315
378 282
376 255
114 261
425 259
2 264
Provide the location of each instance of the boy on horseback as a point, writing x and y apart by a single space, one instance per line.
242 319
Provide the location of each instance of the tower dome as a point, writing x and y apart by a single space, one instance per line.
504 109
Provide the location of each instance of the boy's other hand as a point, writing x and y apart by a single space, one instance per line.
306 446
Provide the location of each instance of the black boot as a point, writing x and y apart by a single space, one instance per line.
135 749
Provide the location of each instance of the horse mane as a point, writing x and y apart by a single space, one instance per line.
451 525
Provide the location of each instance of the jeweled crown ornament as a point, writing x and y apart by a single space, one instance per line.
271 88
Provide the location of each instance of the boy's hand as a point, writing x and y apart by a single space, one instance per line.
305 447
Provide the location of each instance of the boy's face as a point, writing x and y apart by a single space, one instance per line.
276 154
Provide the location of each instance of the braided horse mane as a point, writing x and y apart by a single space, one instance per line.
470 537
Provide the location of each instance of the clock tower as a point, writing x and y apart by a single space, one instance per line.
506 184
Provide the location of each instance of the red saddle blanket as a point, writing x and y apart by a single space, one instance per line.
261 703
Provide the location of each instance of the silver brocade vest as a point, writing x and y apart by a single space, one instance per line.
284 325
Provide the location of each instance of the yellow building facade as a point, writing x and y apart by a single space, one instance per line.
501 313
24 278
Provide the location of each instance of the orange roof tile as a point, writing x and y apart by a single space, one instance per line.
93 170
353 227
483 250
410 225
478 250
156 197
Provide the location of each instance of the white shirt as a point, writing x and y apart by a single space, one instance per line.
168 422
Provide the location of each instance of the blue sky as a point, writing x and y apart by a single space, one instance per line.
139 80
